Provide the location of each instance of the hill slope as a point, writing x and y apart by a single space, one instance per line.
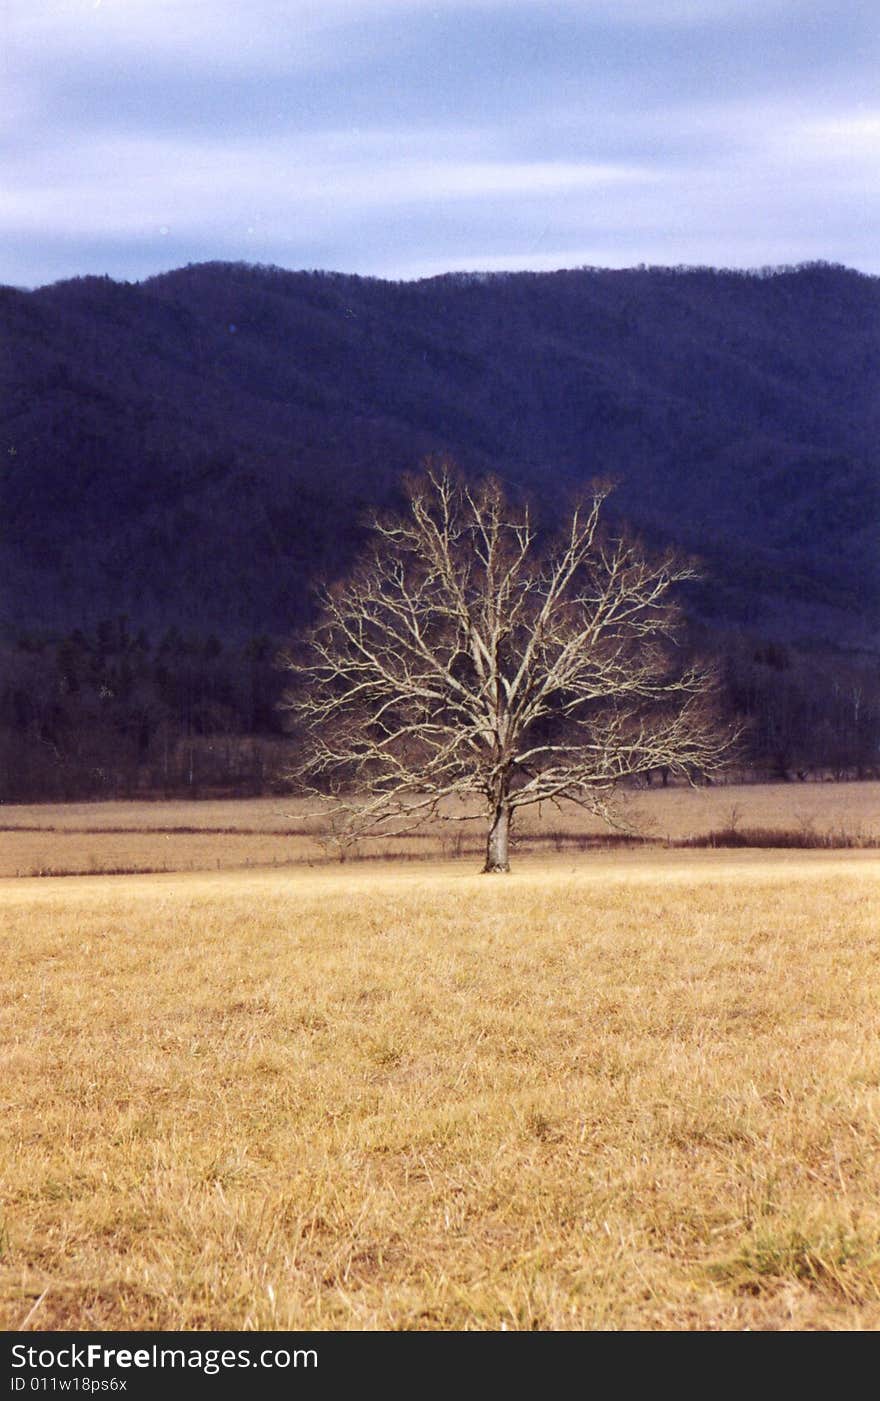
195 448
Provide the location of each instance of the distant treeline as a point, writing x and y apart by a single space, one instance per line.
113 713
811 714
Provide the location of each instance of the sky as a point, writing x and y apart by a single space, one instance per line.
403 138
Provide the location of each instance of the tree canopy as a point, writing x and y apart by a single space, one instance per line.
466 656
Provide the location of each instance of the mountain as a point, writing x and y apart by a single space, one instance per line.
194 449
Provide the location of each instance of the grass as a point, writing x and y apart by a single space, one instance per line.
637 1089
130 838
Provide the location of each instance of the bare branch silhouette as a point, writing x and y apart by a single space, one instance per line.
465 657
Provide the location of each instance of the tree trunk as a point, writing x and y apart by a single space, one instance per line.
497 845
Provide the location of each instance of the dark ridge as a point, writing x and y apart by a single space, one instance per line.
194 449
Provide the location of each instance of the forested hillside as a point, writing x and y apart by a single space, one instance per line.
192 449
190 452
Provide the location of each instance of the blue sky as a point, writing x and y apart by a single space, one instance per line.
403 138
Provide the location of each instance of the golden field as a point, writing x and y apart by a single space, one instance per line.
128 837
613 1090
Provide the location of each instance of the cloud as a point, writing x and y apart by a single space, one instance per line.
847 139
140 183
402 135
193 33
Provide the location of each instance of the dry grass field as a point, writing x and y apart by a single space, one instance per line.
130 837
614 1090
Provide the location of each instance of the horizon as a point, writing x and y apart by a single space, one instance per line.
761 273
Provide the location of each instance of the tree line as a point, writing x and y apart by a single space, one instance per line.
192 716
112 712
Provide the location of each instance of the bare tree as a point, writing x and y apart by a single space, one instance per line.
465 657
